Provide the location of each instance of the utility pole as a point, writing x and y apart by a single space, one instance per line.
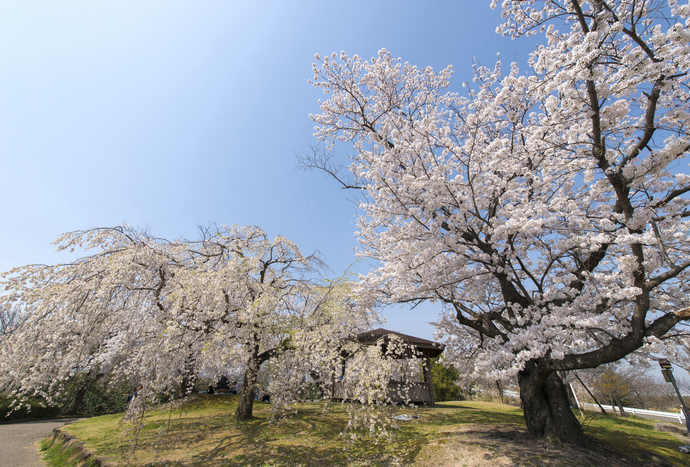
667 371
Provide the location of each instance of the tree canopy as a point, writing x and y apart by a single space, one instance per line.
547 209
158 312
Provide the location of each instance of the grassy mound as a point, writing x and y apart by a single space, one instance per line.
202 432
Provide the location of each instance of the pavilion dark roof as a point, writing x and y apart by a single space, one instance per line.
428 348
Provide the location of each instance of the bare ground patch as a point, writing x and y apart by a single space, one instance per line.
481 445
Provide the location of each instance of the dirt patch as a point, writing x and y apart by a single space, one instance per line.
500 445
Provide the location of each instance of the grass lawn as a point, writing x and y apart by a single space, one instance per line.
632 434
202 432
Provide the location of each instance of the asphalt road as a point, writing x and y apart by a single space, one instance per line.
19 448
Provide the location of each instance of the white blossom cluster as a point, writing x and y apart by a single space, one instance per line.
159 313
548 209
377 377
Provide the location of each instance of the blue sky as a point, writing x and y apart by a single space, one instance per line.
167 114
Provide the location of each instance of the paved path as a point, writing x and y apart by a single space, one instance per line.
18 441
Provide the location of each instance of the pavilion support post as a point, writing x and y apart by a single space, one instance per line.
342 392
333 383
426 366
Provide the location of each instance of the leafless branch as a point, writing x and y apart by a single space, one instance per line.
324 160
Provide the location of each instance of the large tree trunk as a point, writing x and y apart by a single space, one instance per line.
546 406
247 392
83 387
78 399
187 384
500 391
188 375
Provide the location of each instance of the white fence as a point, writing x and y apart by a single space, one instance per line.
654 414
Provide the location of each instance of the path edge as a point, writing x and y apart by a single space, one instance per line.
82 457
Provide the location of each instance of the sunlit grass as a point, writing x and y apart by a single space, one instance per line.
203 432
632 434
55 454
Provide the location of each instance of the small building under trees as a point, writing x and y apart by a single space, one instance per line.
409 380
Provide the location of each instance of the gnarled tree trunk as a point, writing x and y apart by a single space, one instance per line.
188 375
247 392
78 399
83 387
546 406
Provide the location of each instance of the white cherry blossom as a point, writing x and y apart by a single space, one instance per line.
547 209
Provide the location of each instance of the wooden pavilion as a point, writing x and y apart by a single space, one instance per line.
418 392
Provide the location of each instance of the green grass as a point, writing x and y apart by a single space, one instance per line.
204 433
632 434
57 455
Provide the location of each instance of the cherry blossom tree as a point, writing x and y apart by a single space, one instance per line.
547 210
8 318
157 313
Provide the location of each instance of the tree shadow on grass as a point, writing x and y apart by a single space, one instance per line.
309 438
291 456
630 422
506 445
312 437
463 415
448 406
253 443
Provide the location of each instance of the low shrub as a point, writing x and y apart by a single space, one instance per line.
33 407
